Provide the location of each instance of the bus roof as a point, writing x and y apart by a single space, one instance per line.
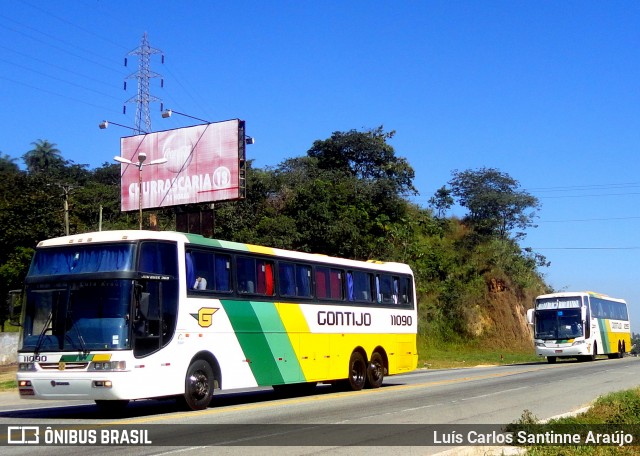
196 239
566 294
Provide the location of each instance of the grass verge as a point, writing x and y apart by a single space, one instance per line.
612 420
445 355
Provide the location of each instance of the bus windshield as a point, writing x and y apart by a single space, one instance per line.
79 259
77 316
558 324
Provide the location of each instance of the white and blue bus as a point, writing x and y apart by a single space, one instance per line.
124 315
580 325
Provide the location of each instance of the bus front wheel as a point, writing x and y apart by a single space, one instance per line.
199 384
357 371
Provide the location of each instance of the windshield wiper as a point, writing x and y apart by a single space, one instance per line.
83 345
45 328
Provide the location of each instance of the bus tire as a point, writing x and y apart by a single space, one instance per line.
551 359
595 352
357 371
198 385
375 371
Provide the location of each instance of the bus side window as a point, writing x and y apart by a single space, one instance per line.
385 289
255 276
587 323
361 286
158 258
245 274
294 280
208 271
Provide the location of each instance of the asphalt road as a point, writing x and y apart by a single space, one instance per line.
401 416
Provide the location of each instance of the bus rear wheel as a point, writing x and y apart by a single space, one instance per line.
198 386
357 371
619 354
375 372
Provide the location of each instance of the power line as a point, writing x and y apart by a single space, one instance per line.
585 187
585 248
53 93
589 220
592 195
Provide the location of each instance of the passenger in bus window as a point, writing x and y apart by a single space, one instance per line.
200 283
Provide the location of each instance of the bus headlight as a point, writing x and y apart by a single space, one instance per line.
108 366
26 367
578 342
540 344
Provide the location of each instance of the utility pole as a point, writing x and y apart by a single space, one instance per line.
66 189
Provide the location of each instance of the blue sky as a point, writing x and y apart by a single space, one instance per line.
547 92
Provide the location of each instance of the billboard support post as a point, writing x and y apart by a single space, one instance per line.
141 158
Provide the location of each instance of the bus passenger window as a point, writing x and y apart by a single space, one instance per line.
208 271
255 276
329 283
384 289
361 286
404 290
295 280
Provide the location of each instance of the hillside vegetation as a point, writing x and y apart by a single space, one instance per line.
349 196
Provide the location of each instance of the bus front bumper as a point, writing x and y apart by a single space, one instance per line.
78 387
562 350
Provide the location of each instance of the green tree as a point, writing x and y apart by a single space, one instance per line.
441 201
43 157
495 203
8 165
365 155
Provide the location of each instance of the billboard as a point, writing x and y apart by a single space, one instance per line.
203 164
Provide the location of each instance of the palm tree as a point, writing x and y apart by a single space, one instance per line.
42 157
8 164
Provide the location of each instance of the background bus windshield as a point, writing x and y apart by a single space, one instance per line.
556 324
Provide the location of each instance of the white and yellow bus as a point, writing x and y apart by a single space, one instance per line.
124 315
580 325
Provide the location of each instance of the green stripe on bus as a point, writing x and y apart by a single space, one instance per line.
604 336
75 358
279 342
264 341
201 240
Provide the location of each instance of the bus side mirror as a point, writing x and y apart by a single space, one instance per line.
530 315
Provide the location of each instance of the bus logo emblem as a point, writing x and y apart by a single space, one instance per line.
62 366
204 316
